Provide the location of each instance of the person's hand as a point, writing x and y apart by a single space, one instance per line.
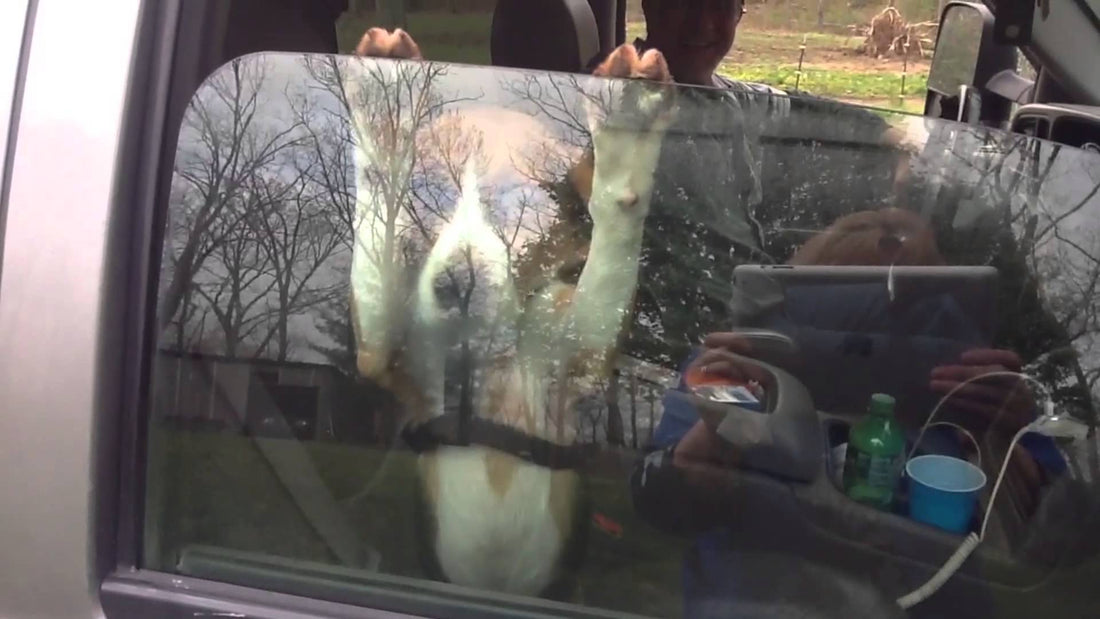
700 446
1004 403
719 361
703 457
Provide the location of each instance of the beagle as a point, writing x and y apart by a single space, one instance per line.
501 496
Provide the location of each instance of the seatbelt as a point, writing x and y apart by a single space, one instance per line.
451 430
298 474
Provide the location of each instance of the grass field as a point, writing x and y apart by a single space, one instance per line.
217 489
767 50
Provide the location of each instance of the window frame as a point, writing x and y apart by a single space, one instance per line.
60 423
14 58
173 47
170 35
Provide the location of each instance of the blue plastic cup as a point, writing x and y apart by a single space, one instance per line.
943 491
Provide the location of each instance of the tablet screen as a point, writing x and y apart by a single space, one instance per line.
860 333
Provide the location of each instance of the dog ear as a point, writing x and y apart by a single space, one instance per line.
469 186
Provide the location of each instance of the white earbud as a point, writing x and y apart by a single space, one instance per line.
1059 426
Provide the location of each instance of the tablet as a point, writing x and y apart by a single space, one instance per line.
859 333
974 288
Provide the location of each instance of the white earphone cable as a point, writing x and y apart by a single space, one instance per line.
970 543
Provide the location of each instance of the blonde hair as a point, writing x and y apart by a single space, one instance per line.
857 240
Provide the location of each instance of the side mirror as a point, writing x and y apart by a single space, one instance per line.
965 60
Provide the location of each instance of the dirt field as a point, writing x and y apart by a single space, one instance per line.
768 47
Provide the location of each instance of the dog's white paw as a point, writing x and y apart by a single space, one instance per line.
627 133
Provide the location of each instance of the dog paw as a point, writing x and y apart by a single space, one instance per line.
628 121
625 62
647 97
380 43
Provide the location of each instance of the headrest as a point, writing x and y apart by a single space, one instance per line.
546 35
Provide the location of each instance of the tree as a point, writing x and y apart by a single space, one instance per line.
651 398
252 214
333 321
614 414
633 411
223 143
297 236
234 281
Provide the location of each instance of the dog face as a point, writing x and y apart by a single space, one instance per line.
399 314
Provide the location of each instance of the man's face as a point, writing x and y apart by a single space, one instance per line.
694 35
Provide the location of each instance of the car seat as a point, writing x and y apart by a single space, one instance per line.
283 25
545 35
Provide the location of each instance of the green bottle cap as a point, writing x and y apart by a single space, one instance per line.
882 404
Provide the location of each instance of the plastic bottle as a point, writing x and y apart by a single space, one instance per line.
876 446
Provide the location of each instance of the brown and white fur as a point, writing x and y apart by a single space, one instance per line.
499 522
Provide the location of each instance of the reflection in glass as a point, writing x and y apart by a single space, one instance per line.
374 268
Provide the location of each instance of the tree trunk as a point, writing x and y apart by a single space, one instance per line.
232 339
178 286
466 392
614 415
633 411
652 414
185 317
284 319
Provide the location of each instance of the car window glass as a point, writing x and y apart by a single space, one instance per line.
440 339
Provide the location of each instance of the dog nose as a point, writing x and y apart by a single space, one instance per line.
628 199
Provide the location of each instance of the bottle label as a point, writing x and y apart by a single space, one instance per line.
870 477
880 470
